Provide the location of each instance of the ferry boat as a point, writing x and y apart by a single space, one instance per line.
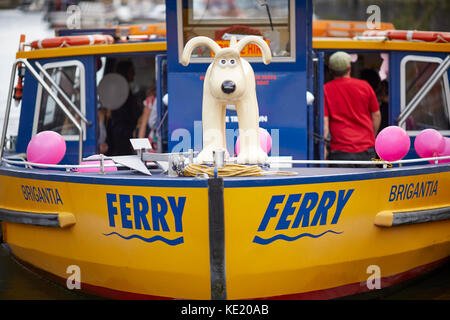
145 232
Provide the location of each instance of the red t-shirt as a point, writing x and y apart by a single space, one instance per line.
349 104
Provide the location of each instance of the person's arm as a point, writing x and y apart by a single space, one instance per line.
143 122
376 121
326 131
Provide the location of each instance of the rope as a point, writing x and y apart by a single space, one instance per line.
387 163
231 170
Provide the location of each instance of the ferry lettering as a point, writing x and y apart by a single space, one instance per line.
288 210
140 206
411 191
326 202
125 211
41 194
311 200
159 210
136 210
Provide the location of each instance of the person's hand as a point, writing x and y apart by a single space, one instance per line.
103 148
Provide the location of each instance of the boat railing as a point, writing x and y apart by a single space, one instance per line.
272 162
51 93
423 91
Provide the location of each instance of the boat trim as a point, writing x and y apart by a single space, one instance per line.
235 182
217 239
58 220
350 44
393 219
94 50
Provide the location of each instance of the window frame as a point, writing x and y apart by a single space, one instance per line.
418 58
67 63
292 39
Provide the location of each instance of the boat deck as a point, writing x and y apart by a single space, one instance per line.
305 175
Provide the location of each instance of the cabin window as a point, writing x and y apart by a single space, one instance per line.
433 110
69 76
219 20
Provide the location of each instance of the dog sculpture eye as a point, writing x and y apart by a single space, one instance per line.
232 61
223 62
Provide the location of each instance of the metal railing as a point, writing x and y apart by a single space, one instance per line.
271 161
51 93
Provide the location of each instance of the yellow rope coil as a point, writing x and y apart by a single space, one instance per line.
231 170
387 163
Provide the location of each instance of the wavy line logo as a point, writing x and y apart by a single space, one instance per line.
262 241
170 242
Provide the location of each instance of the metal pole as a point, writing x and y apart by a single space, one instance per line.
8 109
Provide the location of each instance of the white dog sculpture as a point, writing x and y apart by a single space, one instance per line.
229 80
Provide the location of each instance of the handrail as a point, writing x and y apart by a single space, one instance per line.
60 166
412 105
231 160
50 92
63 94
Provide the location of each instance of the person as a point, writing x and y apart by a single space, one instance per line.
145 123
103 118
124 119
351 114
381 91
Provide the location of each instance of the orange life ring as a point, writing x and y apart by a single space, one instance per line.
411 35
69 41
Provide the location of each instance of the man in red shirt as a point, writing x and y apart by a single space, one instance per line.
352 114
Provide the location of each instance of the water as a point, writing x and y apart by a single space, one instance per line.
13 23
19 283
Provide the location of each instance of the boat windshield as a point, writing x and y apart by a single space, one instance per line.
69 77
435 103
219 20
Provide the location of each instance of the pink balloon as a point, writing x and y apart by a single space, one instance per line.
446 151
265 141
429 143
46 147
96 163
392 143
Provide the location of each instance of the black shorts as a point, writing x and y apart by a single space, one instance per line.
367 155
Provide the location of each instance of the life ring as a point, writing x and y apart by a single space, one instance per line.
70 41
411 35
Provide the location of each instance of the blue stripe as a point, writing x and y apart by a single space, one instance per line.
330 176
333 176
171 242
262 241
106 179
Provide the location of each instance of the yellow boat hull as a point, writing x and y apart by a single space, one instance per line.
312 236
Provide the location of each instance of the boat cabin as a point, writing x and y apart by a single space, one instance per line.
411 78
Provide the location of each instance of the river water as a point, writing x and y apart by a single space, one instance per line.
17 282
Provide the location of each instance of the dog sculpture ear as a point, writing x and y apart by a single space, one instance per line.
266 53
194 43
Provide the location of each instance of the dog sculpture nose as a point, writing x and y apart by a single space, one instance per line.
228 87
